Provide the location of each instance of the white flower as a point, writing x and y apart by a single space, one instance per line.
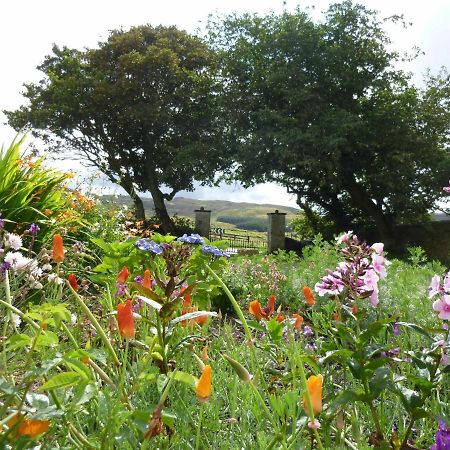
47 267
19 263
53 278
13 241
16 320
73 319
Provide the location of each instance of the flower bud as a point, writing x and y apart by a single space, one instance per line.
240 370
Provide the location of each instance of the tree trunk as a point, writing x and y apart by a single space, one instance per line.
167 224
127 184
363 201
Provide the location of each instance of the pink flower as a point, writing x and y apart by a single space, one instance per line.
379 264
378 247
447 188
370 279
443 307
345 237
435 286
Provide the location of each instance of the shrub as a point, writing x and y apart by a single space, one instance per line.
30 193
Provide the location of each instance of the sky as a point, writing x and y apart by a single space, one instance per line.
29 28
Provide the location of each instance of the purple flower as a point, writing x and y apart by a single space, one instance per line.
442 439
137 306
139 279
396 328
121 289
150 246
4 266
2 222
214 251
191 239
307 331
311 346
435 286
33 230
446 188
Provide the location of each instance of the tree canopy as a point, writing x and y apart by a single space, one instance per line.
320 108
140 108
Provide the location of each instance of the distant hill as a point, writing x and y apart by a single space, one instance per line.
250 216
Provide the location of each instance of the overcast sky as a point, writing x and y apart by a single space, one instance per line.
29 28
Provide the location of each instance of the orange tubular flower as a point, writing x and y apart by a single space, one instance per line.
147 283
271 305
29 427
58 248
280 318
314 385
123 275
126 320
298 321
335 316
309 296
205 357
203 387
354 309
72 279
255 310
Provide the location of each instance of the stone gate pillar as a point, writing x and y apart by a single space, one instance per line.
276 231
202 222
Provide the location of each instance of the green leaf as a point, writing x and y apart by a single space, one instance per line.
184 377
348 396
18 341
64 379
416 328
381 380
7 388
341 354
168 418
275 330
256 325
410 399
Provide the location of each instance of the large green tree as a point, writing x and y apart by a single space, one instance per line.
140 108
319 107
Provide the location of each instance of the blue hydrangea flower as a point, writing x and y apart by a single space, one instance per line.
214 251
193 238
149 246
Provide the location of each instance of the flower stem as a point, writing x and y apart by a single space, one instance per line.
124 368
97 326
199 427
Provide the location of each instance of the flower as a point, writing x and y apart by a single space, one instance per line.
255 310
203 387
309 296
446 188
191 239
435 286
442 439
33 230
150 246
344 238
205 357
125 320
307 331
314 386
298 321
29 427
214 251
58 248
13 241
123 275
442 305
72 279
147 282
18 262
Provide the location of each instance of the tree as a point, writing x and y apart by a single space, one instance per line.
140 108
321 109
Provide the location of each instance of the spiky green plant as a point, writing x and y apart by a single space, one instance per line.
29 192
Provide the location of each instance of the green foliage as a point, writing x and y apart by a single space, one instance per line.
153 82
31 193
245 223
322 108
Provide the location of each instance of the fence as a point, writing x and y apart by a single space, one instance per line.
239 241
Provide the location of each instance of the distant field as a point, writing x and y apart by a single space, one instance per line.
229 215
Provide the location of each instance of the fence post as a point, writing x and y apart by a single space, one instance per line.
202 221
276 231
